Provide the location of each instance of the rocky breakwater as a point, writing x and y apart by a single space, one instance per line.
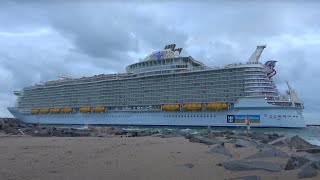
268 152
15 126
12 126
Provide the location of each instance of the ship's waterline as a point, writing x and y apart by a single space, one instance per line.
165 89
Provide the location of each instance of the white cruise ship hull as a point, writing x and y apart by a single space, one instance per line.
280 117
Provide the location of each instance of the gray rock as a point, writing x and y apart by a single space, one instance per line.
245 143
205 140
245 165
27 130
299 143
254 177
189 136
43 133
232 141
296 162
310 150
263 146
4 125
236 137
281 143
219 149
9 130
269 153
307 171
260 136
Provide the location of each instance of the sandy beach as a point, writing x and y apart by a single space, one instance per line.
26 157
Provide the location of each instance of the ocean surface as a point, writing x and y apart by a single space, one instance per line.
311 133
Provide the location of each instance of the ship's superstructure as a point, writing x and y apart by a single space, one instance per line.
165 84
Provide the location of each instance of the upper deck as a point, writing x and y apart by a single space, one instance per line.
167 59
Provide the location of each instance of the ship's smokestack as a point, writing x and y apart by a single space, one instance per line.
257 53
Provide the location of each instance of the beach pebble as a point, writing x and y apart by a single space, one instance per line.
188 165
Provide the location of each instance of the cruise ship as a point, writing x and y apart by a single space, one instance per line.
166 89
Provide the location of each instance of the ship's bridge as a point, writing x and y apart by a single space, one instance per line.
165 60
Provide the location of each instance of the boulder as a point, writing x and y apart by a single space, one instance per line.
298 143
310 150
4 125
269 153
280 142
307 171
245 165
245 143
296 162
42 133
260 136
220 149
254 177
204 140
9 130
189 136
263 146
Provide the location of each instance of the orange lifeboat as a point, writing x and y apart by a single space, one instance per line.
99 109
67 110
55 110
85 109
192 107
35 111
171 107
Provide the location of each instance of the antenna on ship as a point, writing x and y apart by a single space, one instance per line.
257 53
292 94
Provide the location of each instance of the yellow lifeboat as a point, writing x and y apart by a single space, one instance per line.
67 110
35 111
217 106
85 109
55 110
192 107
171 107
44 111
99 109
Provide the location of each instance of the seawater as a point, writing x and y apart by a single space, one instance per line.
310 134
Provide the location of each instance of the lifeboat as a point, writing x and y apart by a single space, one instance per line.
99 109
217 106
192 107
35 111
171 107
85 109
44 111
66 110
55 110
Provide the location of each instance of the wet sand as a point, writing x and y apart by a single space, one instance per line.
26 157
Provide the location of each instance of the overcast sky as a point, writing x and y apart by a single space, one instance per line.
40 41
